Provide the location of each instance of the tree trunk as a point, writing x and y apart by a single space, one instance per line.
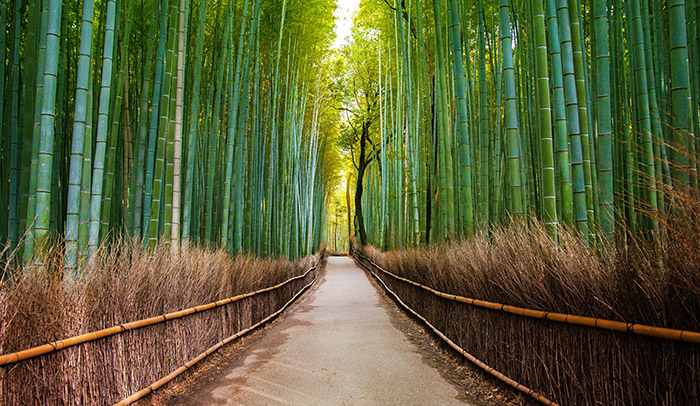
358 184
347 199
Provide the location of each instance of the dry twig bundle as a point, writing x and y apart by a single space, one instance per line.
128 283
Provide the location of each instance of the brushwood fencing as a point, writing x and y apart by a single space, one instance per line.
557 358
125 362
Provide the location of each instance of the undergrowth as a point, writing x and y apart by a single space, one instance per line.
521 265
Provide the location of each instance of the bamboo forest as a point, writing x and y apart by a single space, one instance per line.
534 160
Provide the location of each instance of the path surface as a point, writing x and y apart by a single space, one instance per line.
338 347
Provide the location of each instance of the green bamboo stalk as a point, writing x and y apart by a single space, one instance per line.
646 161
28 95
143 135
58 193
484 191
444 136
515 199
4 140
240 143
582 104
573 118
15 151
35 125
656 132
603 118
86 176
464 144
274 149
214 139
77 144
118 114
194 125
153 134
233 138
498 157
680 94
161 173
410 171
175 233
545 121
101 137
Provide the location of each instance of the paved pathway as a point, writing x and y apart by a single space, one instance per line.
338 347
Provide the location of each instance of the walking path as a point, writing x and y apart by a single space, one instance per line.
338 347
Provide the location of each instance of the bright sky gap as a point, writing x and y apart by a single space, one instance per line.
343 21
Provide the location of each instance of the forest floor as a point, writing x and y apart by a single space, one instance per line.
345 342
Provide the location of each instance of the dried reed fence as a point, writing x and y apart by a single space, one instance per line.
127 284
566 363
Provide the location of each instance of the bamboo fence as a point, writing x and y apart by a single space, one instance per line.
574 360
168 378
104 366
503 378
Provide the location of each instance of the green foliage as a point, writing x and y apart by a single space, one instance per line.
146 123
576 112
438 108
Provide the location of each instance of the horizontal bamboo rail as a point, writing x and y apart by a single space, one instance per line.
33 352
691 337
500 376
159 383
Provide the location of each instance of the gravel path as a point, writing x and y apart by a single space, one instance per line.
337 347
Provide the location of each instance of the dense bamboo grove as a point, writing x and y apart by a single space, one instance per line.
187 121
583 114
215 122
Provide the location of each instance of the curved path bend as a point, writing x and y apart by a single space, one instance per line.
337 347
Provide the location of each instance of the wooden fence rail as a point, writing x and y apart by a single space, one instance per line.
691 337
159 383
134 325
